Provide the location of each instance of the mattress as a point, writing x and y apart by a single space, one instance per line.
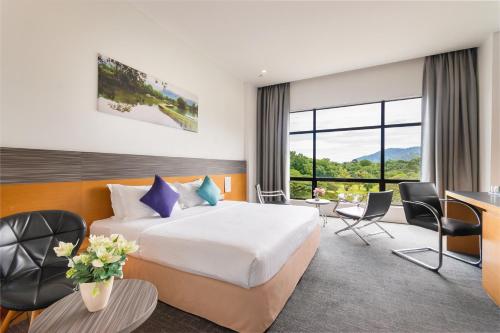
241 243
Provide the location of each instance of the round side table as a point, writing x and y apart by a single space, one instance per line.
130 304
318 204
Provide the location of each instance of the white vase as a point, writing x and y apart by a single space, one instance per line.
98 302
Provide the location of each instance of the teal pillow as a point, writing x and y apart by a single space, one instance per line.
209 191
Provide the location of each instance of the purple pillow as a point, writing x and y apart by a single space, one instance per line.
161 197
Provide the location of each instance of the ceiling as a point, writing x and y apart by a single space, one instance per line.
302 39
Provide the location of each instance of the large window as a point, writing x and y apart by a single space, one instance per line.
356 149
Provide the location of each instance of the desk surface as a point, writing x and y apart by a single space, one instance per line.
482 200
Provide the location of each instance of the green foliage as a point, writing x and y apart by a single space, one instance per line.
300 189
81 273
103 259
186 122
181 104
301 166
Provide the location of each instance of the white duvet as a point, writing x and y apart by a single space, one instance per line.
241 243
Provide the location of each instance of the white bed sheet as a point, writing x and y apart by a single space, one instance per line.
238 242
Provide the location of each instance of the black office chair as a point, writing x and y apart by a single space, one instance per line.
32 277
422 207
271 197
377 206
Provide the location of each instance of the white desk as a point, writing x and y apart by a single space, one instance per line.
318 204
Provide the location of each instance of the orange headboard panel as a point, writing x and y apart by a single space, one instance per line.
34 179
90 199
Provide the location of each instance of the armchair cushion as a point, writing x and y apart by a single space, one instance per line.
354 212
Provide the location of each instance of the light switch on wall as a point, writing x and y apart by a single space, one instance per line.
227 184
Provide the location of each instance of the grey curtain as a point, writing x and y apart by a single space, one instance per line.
450 152
273 107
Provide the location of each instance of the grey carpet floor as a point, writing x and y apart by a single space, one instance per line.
350 287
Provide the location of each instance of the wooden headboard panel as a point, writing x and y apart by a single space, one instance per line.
47 179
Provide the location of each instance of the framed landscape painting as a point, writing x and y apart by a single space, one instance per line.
126 92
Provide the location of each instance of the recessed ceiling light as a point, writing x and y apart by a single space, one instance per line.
262 73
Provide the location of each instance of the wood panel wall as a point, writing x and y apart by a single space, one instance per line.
76 181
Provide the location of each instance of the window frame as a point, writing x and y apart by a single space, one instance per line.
382 181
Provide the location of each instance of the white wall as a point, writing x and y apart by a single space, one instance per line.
391 81
386 82
495 121
49 74
489 111
251 139
485 86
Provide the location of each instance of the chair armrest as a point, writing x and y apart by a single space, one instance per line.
357 203
476 215
340 200
430 208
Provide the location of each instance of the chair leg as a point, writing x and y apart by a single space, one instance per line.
352 228
359 235
476 263
35 314
6 322
403 254
383 229
349 226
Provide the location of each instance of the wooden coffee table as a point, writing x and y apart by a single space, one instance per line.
130 304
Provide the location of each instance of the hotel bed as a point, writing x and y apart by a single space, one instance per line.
235 264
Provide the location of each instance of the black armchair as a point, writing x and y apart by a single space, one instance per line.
422 207
378 204
32 277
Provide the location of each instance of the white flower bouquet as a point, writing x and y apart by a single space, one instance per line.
96 268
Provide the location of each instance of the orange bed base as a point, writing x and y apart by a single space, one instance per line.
228 305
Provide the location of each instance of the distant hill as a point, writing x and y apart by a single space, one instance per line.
401 154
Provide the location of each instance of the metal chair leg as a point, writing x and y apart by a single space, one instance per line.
403 254
359 235
476 263
349 226
383 229
352 228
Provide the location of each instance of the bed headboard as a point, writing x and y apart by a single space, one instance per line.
34 179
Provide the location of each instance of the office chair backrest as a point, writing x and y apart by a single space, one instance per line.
423 192
378 203
27 240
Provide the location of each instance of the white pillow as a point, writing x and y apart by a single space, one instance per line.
126 203
188 196
116 203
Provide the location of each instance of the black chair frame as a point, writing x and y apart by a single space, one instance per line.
403 253
372 219
31 275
